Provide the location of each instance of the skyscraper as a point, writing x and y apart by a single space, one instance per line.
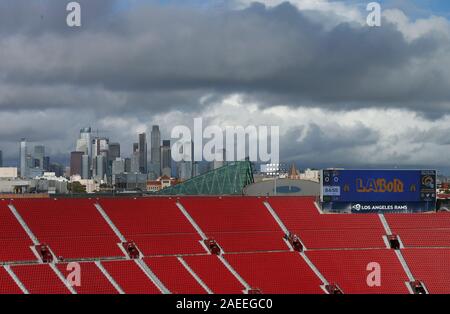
184 167
127 165
46 163
1 158
76 163
84 142
23 158
166 159
100 162
114 151
143 153
39 154
156 150
134 160
99 144
86 166
100 147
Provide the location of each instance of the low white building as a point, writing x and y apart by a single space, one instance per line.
14 186
310 175
50 183
8 172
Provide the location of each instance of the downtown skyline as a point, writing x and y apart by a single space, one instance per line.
344 94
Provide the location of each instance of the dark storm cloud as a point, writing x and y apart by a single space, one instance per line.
274 55
35 17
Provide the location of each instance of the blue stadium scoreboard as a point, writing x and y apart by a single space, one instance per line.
378 191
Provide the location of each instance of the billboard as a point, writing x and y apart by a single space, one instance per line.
378 190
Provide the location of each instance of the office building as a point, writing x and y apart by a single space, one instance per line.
184 167
76 162
143 153
46 163
100 147
114 151
39 154
166 159
58 169
23 158
156 150
84 142
99 144
100 167
86 166
127 162
118 166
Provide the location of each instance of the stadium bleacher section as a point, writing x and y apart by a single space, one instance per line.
430 266
328 231
93 280
40 279
237 224
174 275
130 277
349 270
161 245
7 284
13 236
69 234
277 272
156 225
421 230
214 274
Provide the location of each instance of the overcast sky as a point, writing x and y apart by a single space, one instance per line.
344 94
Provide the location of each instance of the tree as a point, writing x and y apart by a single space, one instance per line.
77 187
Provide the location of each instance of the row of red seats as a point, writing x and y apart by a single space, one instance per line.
125 276
13 238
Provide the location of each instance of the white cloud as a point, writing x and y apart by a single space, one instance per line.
418 28
343 12
398 131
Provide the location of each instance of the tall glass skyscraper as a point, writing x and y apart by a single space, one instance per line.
156 150
84 142
39 154
23 158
